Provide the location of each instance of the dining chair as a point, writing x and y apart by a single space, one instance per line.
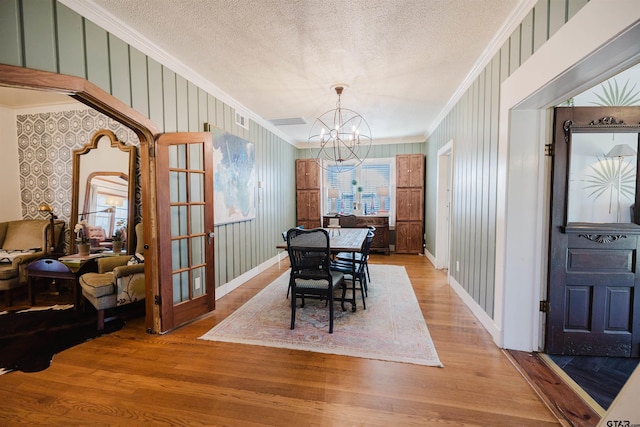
348 256
347 221
284 237
354 269
311 275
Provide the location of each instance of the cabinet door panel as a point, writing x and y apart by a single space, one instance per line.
416 178
416 204
313 174
410 204
302 205
313 212
403 202
307 174
403 171
409 237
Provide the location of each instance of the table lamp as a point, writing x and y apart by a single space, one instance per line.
619 152
382 192
333 195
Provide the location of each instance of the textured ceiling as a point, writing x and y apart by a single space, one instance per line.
402 60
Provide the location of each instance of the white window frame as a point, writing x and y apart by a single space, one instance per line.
391 161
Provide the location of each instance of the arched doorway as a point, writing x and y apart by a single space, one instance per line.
94 97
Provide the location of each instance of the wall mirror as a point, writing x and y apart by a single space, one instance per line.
602 179
104 191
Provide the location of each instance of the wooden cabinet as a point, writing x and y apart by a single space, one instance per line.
409 237
380 243
410 170
307 193
409 203
308 208
411 200
307 174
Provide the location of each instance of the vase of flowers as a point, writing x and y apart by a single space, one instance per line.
82 239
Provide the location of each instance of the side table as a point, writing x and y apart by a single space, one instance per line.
55 269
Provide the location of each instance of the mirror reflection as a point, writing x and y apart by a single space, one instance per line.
602 179
104 188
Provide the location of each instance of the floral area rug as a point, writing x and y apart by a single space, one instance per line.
392 327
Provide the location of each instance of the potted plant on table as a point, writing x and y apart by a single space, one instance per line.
82 239
118 237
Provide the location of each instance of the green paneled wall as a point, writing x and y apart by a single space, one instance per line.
46 35
472 124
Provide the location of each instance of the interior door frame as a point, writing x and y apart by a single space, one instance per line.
96 98
443 206
567 64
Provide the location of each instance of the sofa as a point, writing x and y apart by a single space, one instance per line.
21 242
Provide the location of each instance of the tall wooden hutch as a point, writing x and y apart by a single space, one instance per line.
409 203
308 193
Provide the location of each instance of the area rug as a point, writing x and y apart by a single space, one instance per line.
30 338
391 328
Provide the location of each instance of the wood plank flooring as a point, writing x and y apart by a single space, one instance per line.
130 377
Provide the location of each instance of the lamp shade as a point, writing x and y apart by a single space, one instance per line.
621 150
114 201
333 193
45 208
382 191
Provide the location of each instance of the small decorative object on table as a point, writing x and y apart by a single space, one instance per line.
82 240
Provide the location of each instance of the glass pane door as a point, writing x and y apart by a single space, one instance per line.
186 210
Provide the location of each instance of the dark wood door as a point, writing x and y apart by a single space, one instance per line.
593 303
185 226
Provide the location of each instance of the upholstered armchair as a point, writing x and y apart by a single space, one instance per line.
96 235
21 242
118 282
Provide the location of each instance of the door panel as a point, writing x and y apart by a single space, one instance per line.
185 226
594 306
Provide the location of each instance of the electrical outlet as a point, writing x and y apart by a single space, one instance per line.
457 265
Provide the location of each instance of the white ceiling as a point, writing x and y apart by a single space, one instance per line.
404 61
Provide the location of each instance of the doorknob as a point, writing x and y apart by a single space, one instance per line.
210 236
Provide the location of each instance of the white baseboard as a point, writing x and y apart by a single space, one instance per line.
484 319
238 281
430 257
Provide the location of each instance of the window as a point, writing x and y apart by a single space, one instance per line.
371 175
109 220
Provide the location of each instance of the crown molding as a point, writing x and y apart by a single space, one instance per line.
504 33
417 139
89 10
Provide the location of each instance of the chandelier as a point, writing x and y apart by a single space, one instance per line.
340 139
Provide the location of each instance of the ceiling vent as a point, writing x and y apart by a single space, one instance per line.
242 120
289 121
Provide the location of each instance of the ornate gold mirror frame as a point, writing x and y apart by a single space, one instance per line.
98 158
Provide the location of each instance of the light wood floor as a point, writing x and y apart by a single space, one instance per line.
130 377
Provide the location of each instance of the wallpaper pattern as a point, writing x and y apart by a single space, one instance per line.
45 151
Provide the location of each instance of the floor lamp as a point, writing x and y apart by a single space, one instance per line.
49 210
620 151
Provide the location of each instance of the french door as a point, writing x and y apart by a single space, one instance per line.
185 226
593 300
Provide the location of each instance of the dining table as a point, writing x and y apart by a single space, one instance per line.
344 240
